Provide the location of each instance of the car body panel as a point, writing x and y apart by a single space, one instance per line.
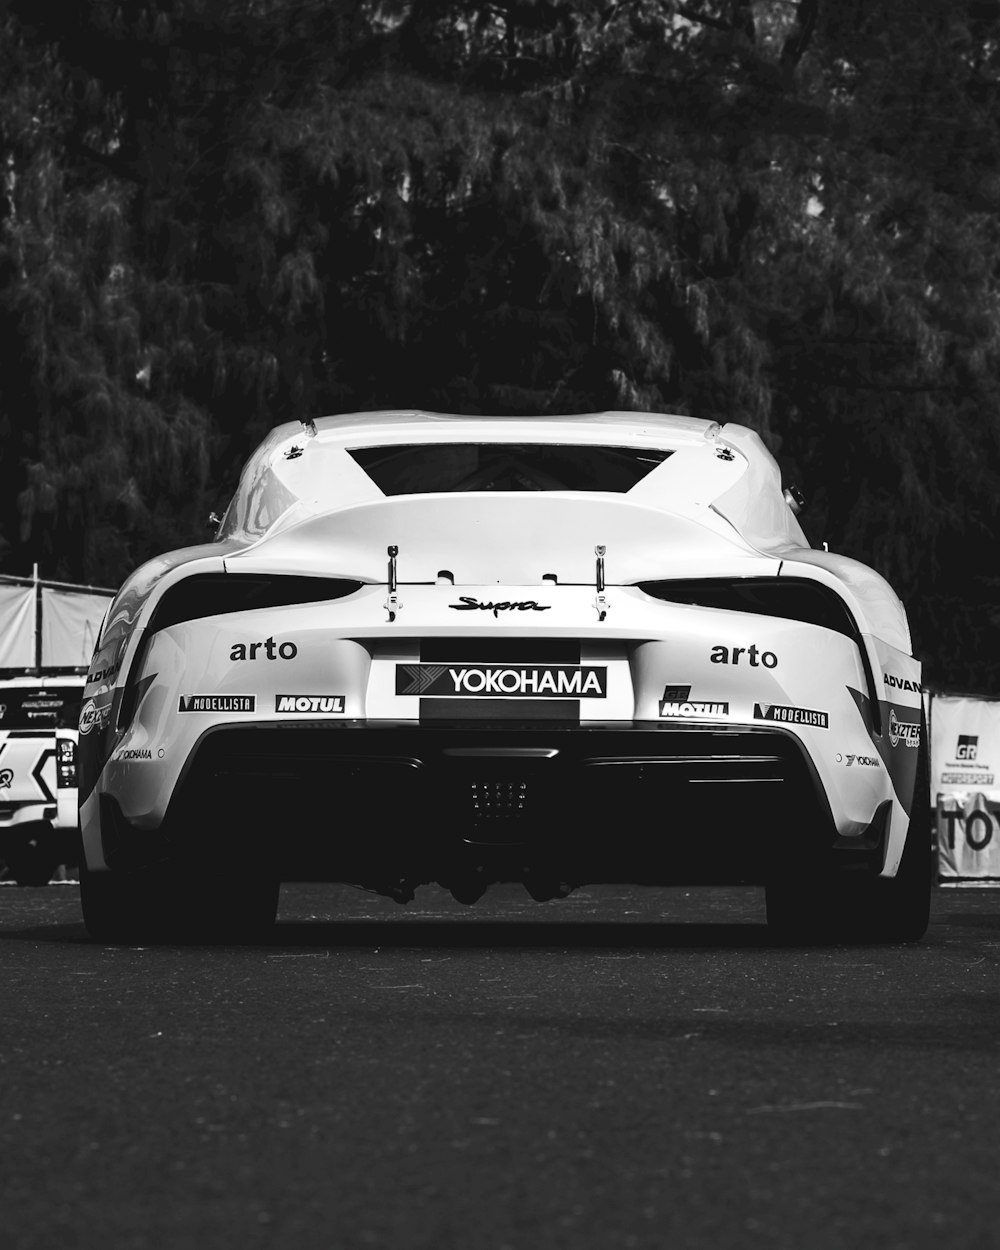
496 618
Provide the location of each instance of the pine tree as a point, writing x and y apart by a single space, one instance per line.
222 216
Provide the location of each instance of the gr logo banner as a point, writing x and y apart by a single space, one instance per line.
968 747
549 681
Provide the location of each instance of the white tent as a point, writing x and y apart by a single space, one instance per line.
49 624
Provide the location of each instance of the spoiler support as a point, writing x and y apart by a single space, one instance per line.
392 604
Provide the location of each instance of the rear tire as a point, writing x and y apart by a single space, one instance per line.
31 853
161 906
111 905
859 907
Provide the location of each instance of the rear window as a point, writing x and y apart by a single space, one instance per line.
419 469
54 707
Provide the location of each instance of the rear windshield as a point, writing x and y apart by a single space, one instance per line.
54 707
418 469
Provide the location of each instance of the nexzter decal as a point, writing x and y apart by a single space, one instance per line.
896 748
677 702
308 703
96 712
907 732
548 681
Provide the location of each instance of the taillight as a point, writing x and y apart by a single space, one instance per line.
791 598
65 763
215 594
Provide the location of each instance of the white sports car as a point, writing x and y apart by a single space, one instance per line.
466 650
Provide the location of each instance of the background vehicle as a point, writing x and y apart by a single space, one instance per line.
465 650
46 632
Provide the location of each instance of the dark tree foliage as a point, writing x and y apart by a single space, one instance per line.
222 214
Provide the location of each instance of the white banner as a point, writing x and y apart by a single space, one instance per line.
70 624
17 626
965 785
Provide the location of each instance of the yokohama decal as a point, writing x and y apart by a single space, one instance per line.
551 681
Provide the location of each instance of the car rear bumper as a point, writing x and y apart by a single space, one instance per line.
373 802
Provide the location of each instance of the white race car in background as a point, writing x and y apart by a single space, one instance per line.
38 795
556 650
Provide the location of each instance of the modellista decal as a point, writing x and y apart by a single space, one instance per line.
791 715
217 703
551 681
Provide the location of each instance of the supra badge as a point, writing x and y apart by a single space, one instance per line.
550 681
469 603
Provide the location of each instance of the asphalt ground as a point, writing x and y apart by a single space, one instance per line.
624 1068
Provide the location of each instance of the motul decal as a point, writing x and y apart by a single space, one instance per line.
308 702
551 681
671 707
